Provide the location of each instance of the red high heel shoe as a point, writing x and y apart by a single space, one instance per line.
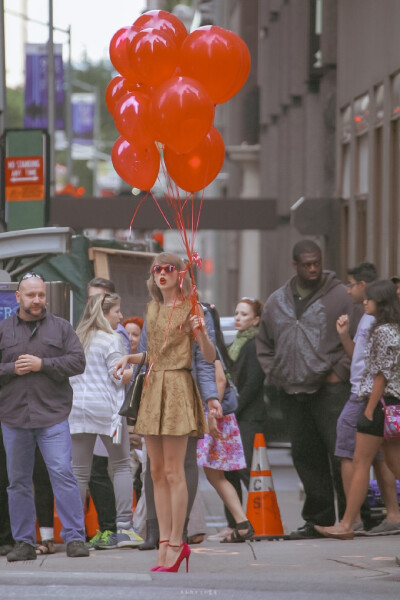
185 553
158 567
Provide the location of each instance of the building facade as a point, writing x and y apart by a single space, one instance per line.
325 90
368 132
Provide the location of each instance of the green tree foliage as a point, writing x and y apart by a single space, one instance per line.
169 5
15 108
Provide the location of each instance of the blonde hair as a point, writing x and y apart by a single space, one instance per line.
93 318
167 258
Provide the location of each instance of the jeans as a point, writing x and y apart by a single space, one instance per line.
6 537
55 445
311 420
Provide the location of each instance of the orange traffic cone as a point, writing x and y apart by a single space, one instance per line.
91 522
262 506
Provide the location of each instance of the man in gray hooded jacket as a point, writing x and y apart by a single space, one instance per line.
301 354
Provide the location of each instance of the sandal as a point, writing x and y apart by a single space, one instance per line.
45 547
243 531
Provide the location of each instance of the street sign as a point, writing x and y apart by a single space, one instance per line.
24 178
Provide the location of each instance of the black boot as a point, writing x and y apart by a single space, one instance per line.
152 535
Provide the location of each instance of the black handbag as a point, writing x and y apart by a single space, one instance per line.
130 406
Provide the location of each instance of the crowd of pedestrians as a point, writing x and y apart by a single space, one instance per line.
62 436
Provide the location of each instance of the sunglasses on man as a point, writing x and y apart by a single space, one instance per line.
29 276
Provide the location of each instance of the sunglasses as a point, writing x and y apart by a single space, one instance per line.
28 276
167 268
247 298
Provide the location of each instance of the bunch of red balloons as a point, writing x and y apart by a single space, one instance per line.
169 84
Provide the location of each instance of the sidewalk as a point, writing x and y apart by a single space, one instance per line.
317 568
289 561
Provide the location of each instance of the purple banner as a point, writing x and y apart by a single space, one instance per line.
8 304
83 115
36 87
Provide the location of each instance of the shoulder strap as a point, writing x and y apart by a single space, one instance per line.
227 374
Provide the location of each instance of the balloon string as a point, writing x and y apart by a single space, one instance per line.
161 210
137 208
186 219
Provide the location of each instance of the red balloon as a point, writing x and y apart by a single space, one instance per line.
194 171
165 21
134 165
216 57
119 51
154 56
132 118
182 113
114 92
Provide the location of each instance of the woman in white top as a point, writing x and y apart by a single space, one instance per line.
97 399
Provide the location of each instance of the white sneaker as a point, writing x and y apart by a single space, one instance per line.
220 535
128 538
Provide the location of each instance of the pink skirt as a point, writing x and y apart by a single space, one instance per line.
225 454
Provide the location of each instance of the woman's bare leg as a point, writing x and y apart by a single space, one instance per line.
167 459
347 474
366 448
391 450
174 451
226 492
162 497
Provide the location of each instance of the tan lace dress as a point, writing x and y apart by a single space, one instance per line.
171 403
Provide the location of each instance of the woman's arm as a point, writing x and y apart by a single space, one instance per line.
383 358
198 326
133 359
220 379
376 393
126 377
343 329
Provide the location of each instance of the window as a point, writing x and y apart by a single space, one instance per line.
379 104
361 114
362 165
346 124
393 241
345 172
377 195
396 95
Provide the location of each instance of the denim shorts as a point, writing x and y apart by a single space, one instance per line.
347 428
375 427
